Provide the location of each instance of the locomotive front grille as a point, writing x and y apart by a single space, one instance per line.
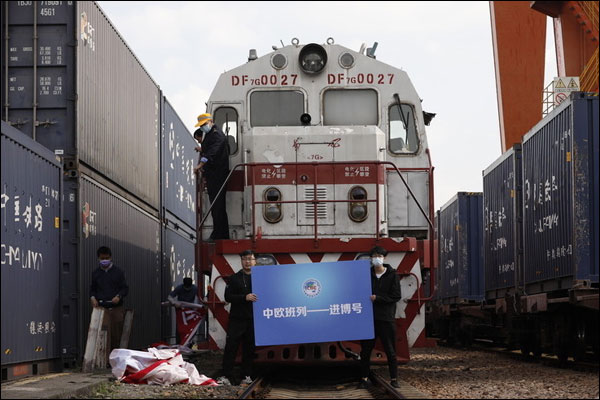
324 211
309 211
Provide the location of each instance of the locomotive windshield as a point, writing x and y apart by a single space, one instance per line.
350 107
276 108
403 139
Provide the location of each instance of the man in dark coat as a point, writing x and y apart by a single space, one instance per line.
386 293
107 290
241 320
214 164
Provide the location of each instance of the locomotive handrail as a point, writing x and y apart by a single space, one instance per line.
315 201
214 301
216 197
431 230
418 300
314 163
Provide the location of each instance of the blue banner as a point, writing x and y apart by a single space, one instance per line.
312 303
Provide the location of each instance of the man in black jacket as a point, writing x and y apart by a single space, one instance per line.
107 290
241 320
214 163
386 293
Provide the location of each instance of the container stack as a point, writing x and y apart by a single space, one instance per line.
75 92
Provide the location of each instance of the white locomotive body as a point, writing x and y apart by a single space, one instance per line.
319 135
354 116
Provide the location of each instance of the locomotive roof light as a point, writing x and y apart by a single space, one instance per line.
279 61
346 60
252 55
312 58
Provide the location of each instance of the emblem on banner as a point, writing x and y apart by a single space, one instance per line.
311 287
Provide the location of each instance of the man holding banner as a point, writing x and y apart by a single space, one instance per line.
386 293
241 320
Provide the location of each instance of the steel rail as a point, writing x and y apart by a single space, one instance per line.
250 391
378 380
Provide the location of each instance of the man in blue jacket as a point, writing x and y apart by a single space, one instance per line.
386 293
214 164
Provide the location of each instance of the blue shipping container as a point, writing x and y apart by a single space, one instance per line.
178 161
560 196
460 234
75 86
31 237
502 223
178 262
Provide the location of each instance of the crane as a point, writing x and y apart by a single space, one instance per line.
519 37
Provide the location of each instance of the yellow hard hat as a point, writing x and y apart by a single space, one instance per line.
203 118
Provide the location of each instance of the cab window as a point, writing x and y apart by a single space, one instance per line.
403 132
276 108
350 107
226 118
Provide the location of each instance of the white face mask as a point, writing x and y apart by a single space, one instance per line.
377 261
206 127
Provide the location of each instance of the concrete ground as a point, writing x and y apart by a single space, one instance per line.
55 386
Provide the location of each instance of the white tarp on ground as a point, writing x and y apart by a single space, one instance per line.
155 367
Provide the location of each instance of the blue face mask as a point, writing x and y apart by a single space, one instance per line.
105 263
206 128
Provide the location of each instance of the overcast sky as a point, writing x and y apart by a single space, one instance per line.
444 47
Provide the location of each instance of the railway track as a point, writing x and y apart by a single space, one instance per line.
293 387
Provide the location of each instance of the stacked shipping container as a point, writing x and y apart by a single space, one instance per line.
31 211
73 86
179 208
92 102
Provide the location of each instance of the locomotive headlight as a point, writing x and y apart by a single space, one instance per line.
313 58
357 211
272 211
265 259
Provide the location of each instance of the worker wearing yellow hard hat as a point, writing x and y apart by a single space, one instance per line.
203 118
214 164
